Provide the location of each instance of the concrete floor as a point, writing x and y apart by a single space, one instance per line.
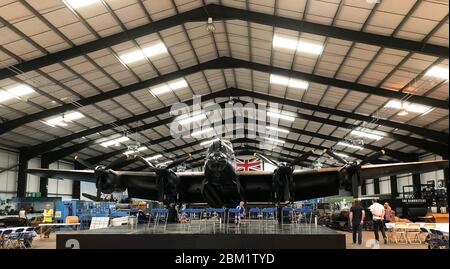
50 243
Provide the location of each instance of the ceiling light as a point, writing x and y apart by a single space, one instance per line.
403 112
309 47
167 87
410 107
62 120
138 54
285 81
285 43
134 151
200 132
210 27
275 140
209 142
438 72
341 155
154 50
15 92
179 84
280 116
160 90
277 129
80 3
116 141
366 135
198 117
349 145
293 44
154 157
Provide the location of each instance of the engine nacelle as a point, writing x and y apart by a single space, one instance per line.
108 181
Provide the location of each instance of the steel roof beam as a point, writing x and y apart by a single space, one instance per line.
219 12
219 63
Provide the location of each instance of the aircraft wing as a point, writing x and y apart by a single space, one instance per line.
307 184
383 170
77 175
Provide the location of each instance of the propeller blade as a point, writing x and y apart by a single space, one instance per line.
302 157
355 184
372 157
264 158
178 161
337 157
91 197
118 162
84 162
147 163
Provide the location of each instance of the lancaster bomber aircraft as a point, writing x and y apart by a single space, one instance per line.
219 184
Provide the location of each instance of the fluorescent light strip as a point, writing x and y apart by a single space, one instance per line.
154 157
366 135
341 155
115 141
80 3
15 92
349 145
134 151
408 106
293 44
200 132
167 87
139 55
209 142
275 140
280 116
277 129
291 82
198 117
438 72
61 120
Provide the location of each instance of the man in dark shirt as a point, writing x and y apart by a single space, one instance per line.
356 220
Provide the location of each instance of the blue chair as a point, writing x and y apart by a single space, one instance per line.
254 213
438 240
269 213
234 212
4 238
287 210
159 215
14 237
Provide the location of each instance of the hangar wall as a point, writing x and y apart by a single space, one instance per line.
8 179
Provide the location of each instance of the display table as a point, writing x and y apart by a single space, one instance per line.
54 225
439 218
443 227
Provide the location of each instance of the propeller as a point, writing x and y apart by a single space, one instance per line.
350 174
283 183
84 162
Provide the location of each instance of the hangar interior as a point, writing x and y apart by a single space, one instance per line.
85 83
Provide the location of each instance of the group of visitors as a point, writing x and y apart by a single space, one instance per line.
381 214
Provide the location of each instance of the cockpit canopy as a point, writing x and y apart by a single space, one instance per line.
223 146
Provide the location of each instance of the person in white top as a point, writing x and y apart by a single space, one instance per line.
378 212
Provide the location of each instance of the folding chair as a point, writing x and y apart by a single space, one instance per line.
425 231
254 213
14 237
400 231
413 233
234 212
438 240
289 211
5 238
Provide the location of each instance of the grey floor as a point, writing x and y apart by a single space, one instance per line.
216 228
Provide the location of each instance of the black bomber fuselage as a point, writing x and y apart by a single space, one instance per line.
221 185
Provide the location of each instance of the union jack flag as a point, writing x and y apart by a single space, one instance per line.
252 164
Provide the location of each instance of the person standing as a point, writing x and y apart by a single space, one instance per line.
356 220
48 218
378 213
241 213
387 213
